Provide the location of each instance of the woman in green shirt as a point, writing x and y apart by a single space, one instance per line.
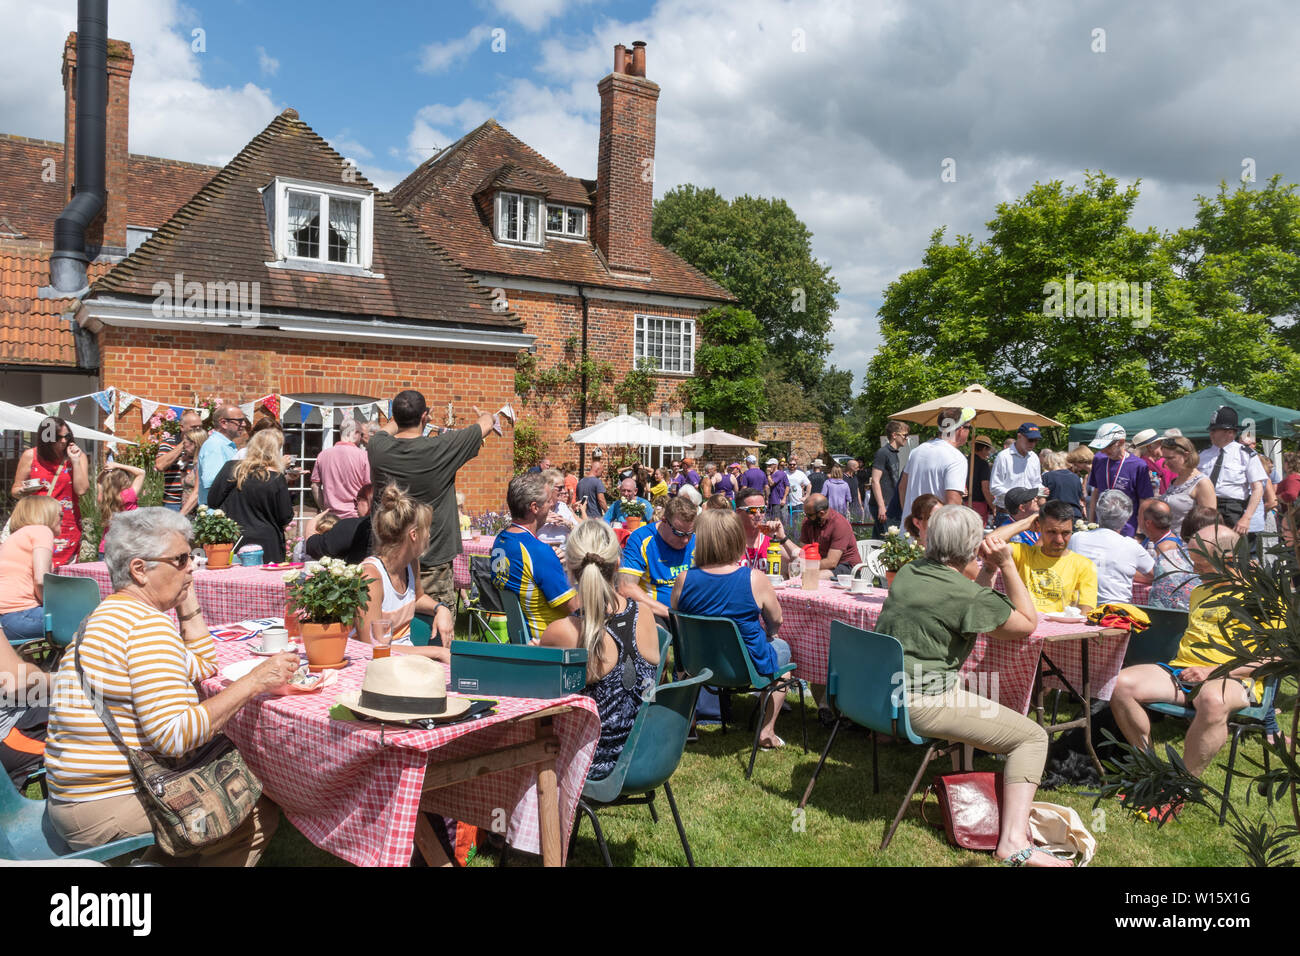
935 609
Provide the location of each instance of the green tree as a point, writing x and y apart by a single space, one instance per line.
760 252
728 386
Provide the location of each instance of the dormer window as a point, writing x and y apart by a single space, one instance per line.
517 217
566 221
315 223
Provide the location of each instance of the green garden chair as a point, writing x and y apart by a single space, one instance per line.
26 833
1158 644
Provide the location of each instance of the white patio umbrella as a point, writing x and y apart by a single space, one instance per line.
625 430
18 419
716 436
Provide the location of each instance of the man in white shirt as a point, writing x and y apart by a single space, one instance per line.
1237 475
1016 467
937 467
1120 560
800 486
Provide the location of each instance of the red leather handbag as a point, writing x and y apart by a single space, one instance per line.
969 804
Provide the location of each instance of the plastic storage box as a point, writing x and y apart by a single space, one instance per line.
515 670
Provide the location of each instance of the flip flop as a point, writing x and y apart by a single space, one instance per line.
776 746
1022 857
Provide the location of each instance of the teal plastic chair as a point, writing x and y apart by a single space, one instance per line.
422 629
715 644
68 602
515 626
1158 643
861 688
27 834
1259 719
649 757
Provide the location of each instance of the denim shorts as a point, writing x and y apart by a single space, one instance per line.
782 650
28 625
1189 690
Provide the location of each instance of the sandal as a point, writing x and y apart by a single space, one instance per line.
1021 857
775 746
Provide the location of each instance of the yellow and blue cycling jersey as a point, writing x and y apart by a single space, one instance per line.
654 563
522 564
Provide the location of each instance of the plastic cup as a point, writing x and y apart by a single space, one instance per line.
381 639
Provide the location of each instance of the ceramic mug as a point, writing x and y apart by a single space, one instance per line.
275 639
846 580
861 585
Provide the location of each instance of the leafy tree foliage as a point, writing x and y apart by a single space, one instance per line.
728 386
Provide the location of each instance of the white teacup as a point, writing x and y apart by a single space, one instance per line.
861 584
846 580
275 639
775 579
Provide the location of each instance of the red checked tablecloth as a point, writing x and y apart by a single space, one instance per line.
358 798
232 594
482 545
1000 670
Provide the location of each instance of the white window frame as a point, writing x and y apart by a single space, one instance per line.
501 199
566 219
366 228
299 435
641 330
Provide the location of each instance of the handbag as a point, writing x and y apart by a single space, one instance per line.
970 805
192 801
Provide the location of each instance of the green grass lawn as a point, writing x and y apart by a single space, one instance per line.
731 821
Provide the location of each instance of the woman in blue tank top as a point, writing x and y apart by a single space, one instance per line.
719 586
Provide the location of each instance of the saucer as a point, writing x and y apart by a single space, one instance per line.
1065 619
257 649
330 667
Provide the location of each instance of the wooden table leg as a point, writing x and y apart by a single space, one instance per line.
548 814
1087 707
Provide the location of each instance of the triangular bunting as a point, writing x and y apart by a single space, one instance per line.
51 409
72 409
147 408
179 410
124 400
303 411
327 416
110 422
272 404
247 408
104 400
285 406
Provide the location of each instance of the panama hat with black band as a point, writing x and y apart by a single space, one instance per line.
405 687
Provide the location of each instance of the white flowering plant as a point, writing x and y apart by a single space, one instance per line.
328 591
214 526
900 549
1081 525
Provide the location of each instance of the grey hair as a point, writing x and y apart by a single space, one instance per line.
142 533
952 534
349 430
525 490
1113 509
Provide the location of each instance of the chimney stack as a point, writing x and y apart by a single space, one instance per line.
109 228
625 163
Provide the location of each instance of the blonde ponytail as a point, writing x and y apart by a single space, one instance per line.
593 556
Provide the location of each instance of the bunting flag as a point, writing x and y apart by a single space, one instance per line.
247 408
147 408
51 409
72 409
179 410
205 413
124 400
110 422
104 400
327 415
284 410
303 411
272 404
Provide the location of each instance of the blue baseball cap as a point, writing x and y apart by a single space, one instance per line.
1030 430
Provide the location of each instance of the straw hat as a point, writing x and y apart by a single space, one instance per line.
404 687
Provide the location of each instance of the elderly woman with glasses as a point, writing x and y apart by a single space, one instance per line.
57 468
935 608
145 666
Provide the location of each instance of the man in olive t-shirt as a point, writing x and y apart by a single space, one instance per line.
426 467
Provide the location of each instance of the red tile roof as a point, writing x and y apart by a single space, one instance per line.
221 235
439 195
33 330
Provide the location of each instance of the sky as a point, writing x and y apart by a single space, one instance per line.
850 111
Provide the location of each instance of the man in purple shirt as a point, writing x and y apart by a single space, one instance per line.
754 476
778 484
1115 469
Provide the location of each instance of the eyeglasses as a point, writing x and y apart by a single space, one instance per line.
178 561
241 422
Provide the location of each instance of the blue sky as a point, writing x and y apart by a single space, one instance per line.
847 109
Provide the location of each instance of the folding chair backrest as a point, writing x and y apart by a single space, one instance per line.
715 643
665 642
68 602
1158 644
654 745
864 680
515 625
486 597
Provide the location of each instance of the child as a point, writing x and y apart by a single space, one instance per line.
119 490
465 523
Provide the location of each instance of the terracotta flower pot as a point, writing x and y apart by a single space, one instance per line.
218 555
325 644
632 522
291 622
889 578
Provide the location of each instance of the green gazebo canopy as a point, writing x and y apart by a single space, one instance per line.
1192 413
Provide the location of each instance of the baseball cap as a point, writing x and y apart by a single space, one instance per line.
1107 435
1017 497
752 459
734 464
772 461
1029 430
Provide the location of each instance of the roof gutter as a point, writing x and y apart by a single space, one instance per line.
68 261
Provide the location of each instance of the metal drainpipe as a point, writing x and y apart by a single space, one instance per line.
582 404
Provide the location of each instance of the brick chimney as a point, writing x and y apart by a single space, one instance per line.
110 228
625 164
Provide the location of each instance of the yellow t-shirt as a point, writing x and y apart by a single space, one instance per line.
1203 627
1055 583
657 489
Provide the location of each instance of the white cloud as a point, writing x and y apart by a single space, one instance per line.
437 57
268 64
173 113
534 14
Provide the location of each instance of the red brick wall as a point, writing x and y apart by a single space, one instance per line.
109 227
187 367
610 338
805 439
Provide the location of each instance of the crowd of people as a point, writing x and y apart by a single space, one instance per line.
601 566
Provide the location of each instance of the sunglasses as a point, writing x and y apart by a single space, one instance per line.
752 509
178 561
680 534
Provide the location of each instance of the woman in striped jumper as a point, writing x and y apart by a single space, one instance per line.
146 669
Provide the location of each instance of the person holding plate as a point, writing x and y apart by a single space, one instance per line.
58 468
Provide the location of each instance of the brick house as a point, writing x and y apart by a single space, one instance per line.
483 251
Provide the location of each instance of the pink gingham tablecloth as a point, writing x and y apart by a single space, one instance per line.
358 799
1000 670
232 594
481 545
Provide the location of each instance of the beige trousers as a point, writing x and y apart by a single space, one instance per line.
92 823
987 725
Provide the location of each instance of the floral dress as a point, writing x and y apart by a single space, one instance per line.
58 485
617 702
1174 579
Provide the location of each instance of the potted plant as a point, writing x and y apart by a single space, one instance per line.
326 597
633 514
217 532
900 548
